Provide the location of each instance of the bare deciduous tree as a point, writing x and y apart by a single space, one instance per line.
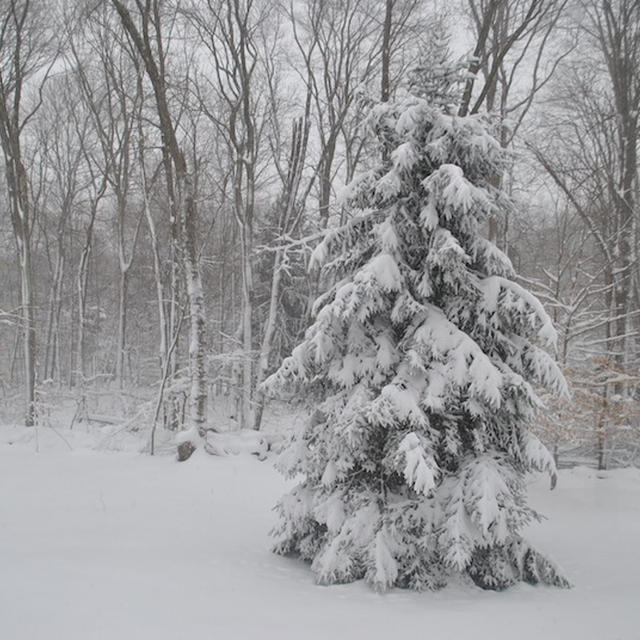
147 34
24 51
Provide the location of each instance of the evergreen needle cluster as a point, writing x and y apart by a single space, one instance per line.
420 364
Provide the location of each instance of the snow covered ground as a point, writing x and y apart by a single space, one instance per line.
120 545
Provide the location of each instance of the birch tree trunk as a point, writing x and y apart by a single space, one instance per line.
181 193
198 391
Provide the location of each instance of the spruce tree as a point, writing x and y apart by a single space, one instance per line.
421 366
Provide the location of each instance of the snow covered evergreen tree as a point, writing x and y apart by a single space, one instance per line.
420 364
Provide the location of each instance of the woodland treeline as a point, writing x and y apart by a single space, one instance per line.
170 164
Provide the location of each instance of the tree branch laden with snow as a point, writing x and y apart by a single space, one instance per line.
421 364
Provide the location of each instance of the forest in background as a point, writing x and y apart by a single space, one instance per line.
169 166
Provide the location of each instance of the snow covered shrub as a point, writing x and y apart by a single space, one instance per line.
419 364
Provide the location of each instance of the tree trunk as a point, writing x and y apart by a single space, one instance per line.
122 326
386 51
198 392
247 329
157 273
183 208
325 181
55 366
81 283
18 188
17 63
48 354
82 278
29 329
14 355
601 432
267 339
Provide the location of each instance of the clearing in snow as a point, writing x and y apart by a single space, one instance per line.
119 545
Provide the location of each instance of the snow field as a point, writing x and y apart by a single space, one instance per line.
120 545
